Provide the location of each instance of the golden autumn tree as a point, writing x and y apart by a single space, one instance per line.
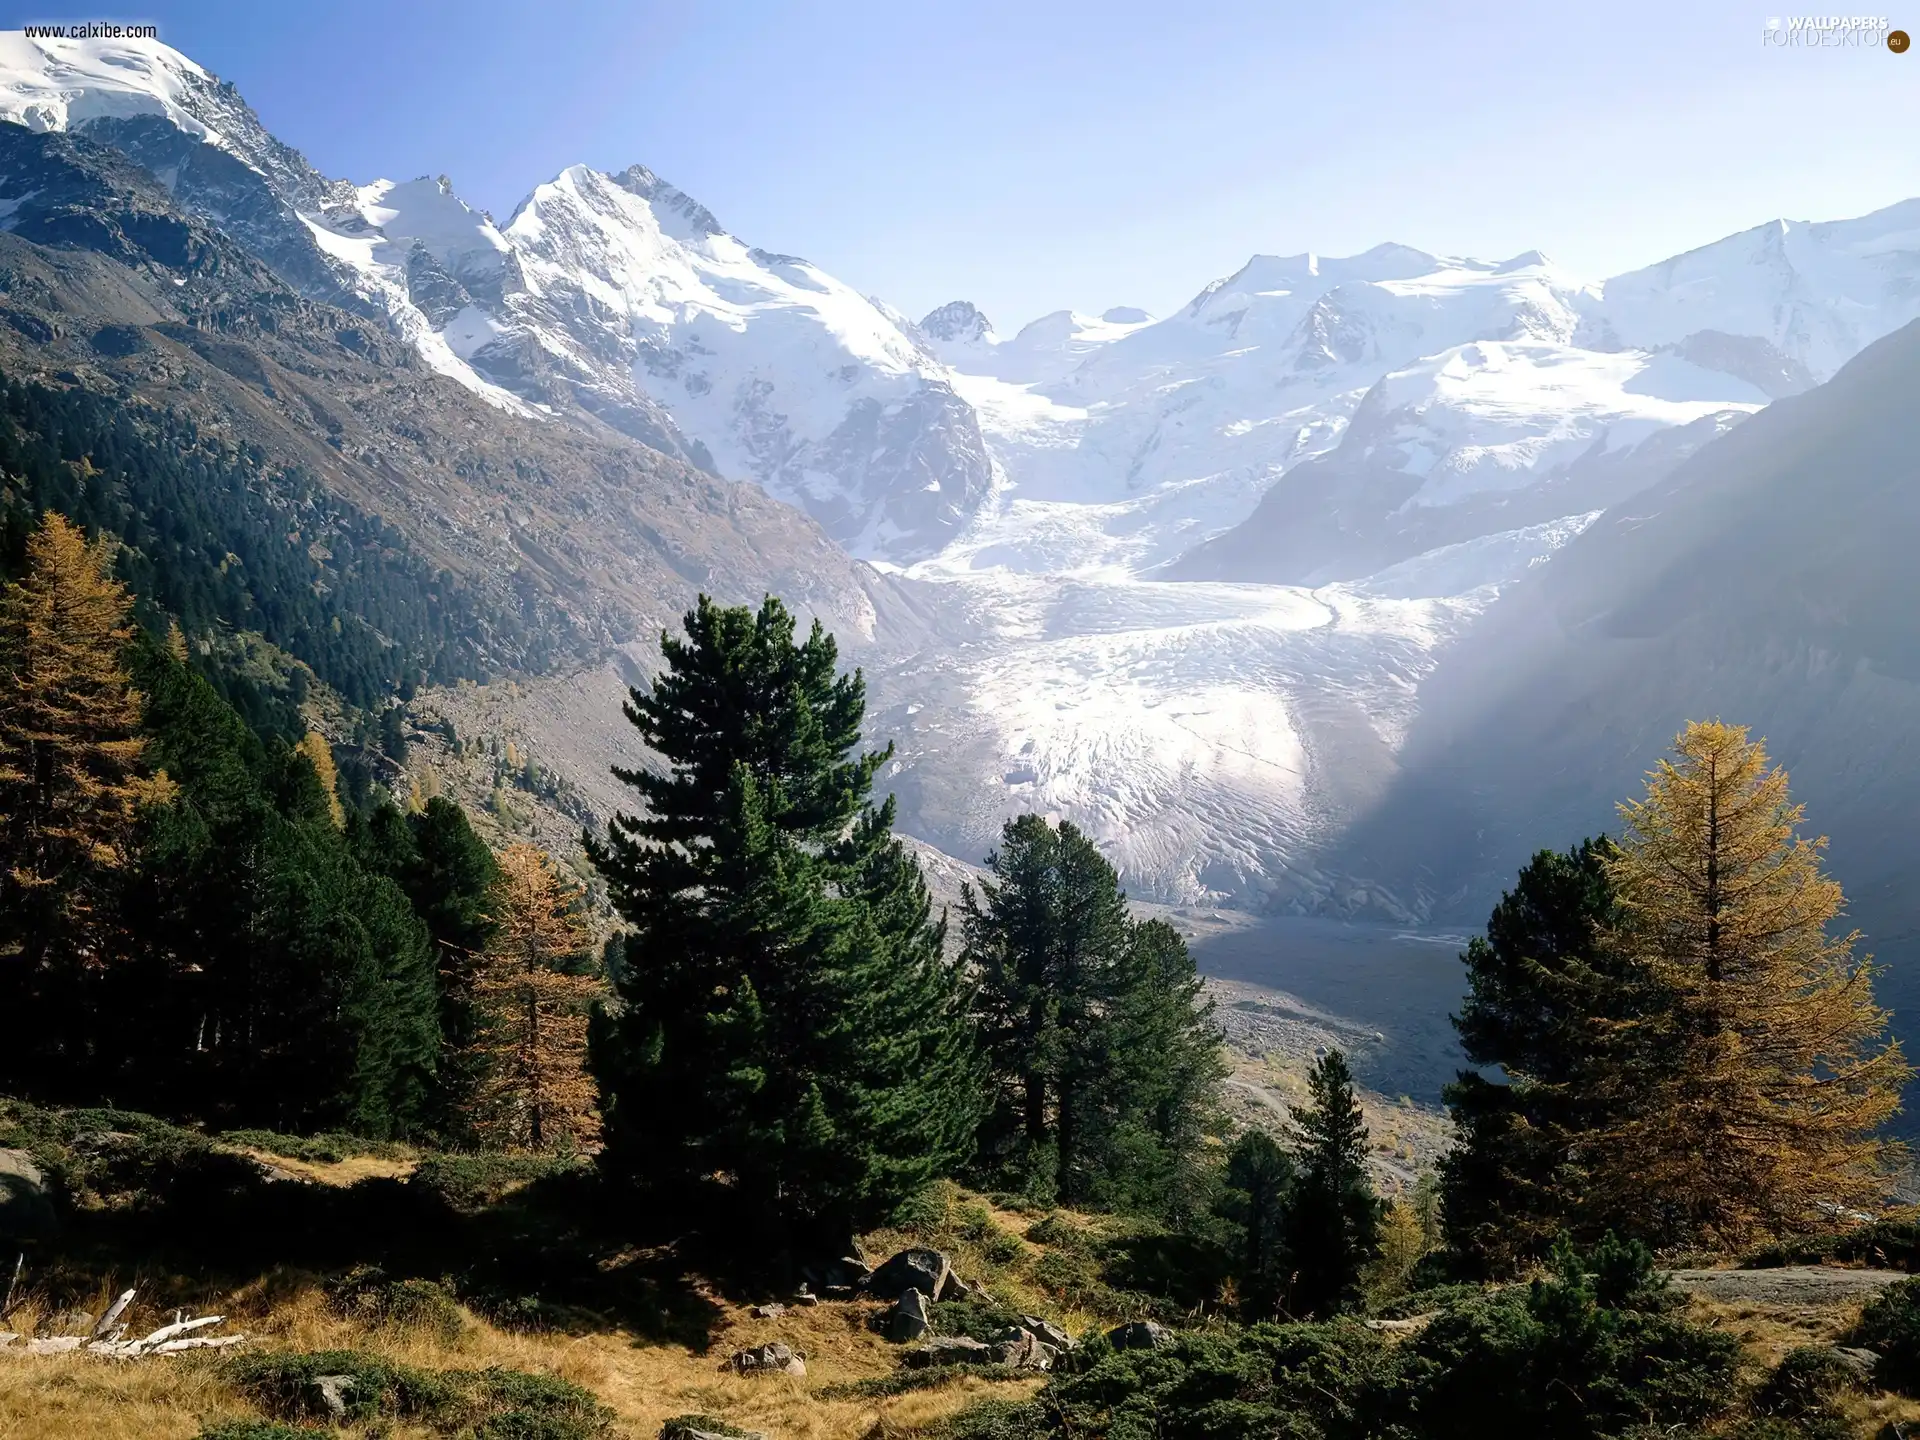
536 1091
319 754
1766 1075
71 783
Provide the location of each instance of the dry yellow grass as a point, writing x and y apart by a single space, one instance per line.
337 1172
1768 1332
61 1397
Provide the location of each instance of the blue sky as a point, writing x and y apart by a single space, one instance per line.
1030 156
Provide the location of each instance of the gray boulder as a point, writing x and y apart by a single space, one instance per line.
682 1427
1046 1332
1022 1351
927 1271
1140 1335
908 1320
771 1358
26 1200
952 1350
333 1393
1861 1362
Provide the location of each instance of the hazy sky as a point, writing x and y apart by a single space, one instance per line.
1035 154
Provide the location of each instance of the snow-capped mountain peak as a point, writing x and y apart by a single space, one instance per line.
958 322
784 373
62 84
697 220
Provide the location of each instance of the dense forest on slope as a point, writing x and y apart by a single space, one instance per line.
215 536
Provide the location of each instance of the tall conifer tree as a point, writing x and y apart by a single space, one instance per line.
534 1092
1256 1190
1333 1215
1103 1048
1774 1077
1544 990
790 1049
71 788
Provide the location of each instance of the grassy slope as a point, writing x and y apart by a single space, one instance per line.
669 1359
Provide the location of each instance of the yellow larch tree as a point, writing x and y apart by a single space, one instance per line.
536 1092
1765 1076
71 781
319 754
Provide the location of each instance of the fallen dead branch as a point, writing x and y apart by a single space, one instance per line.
107 1338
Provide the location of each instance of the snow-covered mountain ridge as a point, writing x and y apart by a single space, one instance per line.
613 295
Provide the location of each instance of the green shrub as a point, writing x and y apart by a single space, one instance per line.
925 1210
257 1430
998 1420
974 1222
1806 1427
1591 1353
1890 1327
1003 1249
1806 1382
367 1293
1576 1355
1262 1383
523 1313
496 1404
536 1407
473 1182
975 1317
329 1148
121 1159
284 1385
1057 1232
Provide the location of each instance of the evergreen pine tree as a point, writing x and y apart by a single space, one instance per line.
1043 939
1161 1054
790 1048
71 788
534 1091
1333 1216
1256 1192
448 874
449 877
1542 985
1103 1050
1775 1079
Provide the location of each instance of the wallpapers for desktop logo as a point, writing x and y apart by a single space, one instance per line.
1832 32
